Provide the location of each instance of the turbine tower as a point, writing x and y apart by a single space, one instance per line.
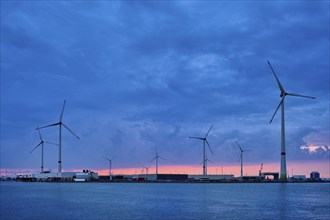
204 139
110 167
156 158
207 160
60 124
42 149
241 157
283 176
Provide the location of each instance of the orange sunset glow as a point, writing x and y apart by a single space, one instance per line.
252 170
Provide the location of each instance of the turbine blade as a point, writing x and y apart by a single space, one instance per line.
277 109
208 131
197 138
304 96
161 157
209 160
247 150
70 131
208 145
48 126
61 115
153 159
50 142
39 133
36 147
278 81
239 146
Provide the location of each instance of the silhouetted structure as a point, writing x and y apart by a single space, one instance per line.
315 175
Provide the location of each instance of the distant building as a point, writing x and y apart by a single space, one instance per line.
162 177
298 177
211 177
269 176
86 175
315 175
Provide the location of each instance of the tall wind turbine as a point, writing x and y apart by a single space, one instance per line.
283 176
241 157
42 149
204 139
110 167
156 158
60 124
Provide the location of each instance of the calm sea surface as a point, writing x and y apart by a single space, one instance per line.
164 201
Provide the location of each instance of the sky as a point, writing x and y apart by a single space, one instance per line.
140 74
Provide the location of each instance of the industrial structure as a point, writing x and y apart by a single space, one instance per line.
60 124
283 175
156 158
315 175
84 176
204 139
42 149
110 167
88 175
241 157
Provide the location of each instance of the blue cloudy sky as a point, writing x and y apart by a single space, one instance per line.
137 74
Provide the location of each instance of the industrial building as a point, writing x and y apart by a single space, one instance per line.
85 175
269 176
298 178
162 177
315 176
169 177
211 177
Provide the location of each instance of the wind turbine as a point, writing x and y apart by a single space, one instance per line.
147 169
156 158
110 167
241 157
60 124
283 176
42 149
207 160
204 139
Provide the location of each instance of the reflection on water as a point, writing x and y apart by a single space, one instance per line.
164 201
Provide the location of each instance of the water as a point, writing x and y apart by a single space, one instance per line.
164 201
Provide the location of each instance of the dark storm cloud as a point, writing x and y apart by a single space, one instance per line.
140 74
